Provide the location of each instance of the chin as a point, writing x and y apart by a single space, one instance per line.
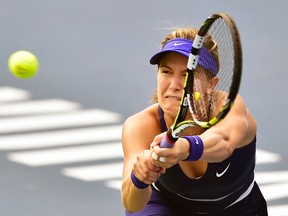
171 110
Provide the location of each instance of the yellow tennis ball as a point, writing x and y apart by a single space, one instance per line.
23 64
197 95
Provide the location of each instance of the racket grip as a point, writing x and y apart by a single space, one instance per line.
166 142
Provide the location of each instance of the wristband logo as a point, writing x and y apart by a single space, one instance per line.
196 140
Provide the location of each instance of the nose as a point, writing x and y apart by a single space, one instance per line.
177 84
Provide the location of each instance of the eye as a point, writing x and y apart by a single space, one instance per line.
165 70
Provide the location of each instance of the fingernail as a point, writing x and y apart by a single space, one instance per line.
154 156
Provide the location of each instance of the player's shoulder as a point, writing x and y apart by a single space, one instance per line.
144 118
239 105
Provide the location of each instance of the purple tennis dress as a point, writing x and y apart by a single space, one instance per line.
227 188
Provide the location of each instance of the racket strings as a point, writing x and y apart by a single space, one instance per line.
220 31
212 107
212 100
203 106
199 101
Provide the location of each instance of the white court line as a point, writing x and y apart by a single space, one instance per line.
37 107
10 94
271 177
77 118
263 157
114 184
95 173
273 184
60 138
278 210
68 155
275 191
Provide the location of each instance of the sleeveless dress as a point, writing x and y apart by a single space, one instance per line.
227 188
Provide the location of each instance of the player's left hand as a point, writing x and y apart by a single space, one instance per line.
168 157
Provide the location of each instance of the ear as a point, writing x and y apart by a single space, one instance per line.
214 81
212 84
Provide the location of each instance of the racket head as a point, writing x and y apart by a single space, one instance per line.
214 91
218 74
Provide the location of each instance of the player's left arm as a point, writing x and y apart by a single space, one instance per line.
236 130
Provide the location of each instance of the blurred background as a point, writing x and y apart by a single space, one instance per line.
60 132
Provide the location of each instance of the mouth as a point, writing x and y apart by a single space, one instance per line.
175 98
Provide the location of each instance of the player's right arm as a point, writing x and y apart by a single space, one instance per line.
137 134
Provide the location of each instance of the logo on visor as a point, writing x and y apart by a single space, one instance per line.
179 44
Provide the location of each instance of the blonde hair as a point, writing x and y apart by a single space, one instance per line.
190 33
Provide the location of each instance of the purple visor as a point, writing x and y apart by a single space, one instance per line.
183 46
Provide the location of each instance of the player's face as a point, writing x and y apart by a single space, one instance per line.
170 82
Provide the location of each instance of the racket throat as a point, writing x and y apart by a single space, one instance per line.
173 134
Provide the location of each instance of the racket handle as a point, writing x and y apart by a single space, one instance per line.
166 142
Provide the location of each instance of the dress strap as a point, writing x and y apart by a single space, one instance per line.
161 119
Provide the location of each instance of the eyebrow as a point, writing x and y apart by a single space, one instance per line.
169 68
166 66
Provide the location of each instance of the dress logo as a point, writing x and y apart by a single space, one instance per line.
218 175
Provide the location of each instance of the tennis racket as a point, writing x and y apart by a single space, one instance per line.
209 98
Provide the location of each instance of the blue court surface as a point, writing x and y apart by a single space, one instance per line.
60 132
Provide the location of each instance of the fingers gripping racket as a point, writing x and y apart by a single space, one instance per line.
209 98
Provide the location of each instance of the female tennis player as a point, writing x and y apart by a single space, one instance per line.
217 176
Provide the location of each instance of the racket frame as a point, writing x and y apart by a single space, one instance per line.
181 123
